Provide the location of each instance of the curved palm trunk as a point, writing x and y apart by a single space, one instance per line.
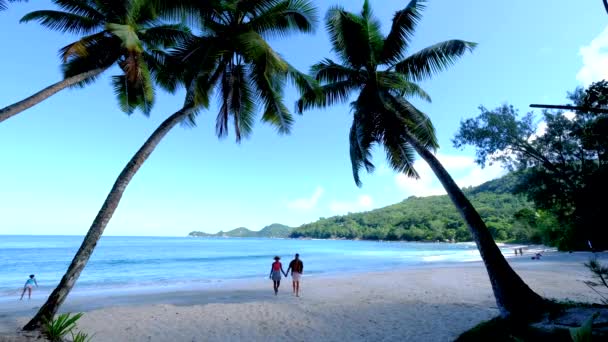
18 107
81 258
513 297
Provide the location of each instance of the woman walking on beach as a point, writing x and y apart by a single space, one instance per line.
28 287
275 274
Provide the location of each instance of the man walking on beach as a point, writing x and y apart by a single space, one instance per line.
297 267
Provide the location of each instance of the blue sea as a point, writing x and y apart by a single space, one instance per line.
136 263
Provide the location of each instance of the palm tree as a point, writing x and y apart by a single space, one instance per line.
376 68
4 6
233 58
125 32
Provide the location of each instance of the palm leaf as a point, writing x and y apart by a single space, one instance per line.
80 7
128 36
348 36
417 123
400 86
135 93
82 47
361 139
165 36
3 5
268 72
237 102
285 17
402 31
326 95
433 59
328 71
63 22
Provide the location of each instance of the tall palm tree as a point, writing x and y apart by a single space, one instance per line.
124 32
232 58
376 68
4 6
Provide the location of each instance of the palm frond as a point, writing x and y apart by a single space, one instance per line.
81 48
99 56
142 12
128 36
237 102
63 21
304 83
165 36
3 5
80 7
399 85
348 36
328 71
326 96
361 139
165 70
402 31
242 103
285 17
113 11
268 72
134 91
417 123
433 59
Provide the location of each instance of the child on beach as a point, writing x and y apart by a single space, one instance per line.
28 287
275 274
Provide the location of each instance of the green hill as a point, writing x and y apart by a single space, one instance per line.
432 218
274 230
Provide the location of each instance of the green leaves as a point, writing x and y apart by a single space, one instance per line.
402 31
382 113
349 37
284 17
56 329
63 22
433 59
127 35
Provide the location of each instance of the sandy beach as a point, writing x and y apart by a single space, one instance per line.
416 304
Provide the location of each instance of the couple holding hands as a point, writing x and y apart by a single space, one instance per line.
296 266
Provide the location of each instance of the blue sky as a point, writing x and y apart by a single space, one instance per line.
59 159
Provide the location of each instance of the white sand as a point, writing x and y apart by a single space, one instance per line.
421 304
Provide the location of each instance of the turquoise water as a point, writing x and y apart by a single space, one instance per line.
121 263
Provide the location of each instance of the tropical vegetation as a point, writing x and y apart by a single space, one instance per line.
564 170
232 57
275 230
221 48
510 218
128 33
375 68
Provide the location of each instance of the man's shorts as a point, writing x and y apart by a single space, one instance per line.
295 276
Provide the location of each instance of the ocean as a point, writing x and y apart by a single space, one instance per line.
145 263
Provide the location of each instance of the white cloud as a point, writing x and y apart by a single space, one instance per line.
306 203
542 126
462 168
595 60
364 202
569 115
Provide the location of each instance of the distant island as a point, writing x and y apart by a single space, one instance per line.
510 217
274 230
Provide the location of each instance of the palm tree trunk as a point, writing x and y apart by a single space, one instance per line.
18 107
49 309
513 297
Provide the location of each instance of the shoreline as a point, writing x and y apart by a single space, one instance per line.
441 303
117 290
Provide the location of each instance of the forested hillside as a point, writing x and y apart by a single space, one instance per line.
434 218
